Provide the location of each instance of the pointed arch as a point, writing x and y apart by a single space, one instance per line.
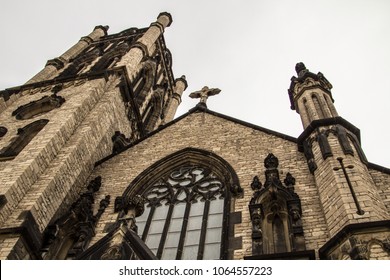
275 211
154 109
187 199
24 136
145 80
186 156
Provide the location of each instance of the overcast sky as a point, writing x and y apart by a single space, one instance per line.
248 49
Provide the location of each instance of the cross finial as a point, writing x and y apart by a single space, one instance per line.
204 93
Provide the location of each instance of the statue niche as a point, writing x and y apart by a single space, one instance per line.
275 211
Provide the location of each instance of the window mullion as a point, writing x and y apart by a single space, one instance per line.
202 238
165 231
148 222
183 231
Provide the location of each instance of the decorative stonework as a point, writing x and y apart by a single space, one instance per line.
361 248
76 227
306 80
43 105
275 206
124 204
119 141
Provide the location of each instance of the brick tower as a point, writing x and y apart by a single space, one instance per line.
349 197
102 94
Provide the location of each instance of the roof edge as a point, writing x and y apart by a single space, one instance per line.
200 109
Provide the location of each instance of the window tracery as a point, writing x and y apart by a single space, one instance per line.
183 217
181 206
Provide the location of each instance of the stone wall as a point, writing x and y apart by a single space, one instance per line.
48 174
244 147
382 182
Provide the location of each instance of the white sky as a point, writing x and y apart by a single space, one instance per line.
248 49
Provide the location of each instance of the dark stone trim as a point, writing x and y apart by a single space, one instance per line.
142 47
29 231
44 105
304 73
299 255
349 230
250 125
326 122
183 79
3 131
377 167
323 142
343 139
298 95
308 151
122 35
168 15
3 200
88 76
187 156
104 28
158 25
57 62
86 39
136 244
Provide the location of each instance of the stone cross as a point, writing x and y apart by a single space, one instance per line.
204 93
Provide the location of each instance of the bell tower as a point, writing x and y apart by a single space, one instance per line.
103 94
334 155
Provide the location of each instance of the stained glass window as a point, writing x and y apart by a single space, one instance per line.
183 217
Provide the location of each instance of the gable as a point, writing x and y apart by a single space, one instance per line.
191 122
243 146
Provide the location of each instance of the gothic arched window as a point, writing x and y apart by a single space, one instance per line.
183 217
186 205
25 135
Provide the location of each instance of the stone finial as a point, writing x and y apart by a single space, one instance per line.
204 93
256 184
271 161
300 67
102 27
168 16
183 80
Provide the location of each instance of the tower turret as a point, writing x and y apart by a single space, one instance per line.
310 95
332 148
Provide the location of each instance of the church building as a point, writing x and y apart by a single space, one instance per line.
94 165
